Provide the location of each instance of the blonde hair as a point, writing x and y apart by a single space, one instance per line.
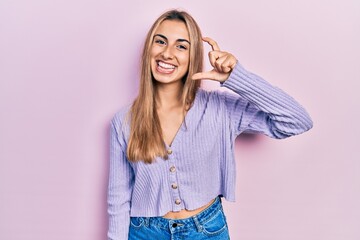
146 138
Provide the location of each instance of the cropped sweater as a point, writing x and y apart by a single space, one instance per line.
201 163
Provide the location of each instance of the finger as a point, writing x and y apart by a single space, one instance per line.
226 65
212 43
198 76
214 56
211 75
229 63
219 63
205 75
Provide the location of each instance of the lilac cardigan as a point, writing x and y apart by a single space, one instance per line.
201 164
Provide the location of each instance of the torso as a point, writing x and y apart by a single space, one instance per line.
170 122
186 213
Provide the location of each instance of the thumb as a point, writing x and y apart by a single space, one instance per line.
204 75
198 76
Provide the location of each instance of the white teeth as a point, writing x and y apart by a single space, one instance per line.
165 65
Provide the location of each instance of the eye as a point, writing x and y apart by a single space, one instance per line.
182 47
159 41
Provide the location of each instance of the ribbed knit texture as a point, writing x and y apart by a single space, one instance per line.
202 151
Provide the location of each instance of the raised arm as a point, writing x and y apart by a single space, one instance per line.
262 108
258 106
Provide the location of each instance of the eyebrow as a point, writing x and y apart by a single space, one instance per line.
178 40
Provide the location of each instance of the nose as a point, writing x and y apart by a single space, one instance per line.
167 53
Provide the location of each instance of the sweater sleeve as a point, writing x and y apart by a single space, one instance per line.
260 107
119 187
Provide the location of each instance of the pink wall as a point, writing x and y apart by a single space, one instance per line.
67 67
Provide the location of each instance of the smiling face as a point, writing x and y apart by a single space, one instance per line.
170 52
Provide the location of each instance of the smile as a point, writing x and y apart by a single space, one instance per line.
165 68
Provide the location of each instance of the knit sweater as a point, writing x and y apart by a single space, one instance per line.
201 163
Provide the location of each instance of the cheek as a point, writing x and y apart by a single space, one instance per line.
185 60
153 54
154 51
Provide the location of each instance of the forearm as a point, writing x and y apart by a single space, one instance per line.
286 115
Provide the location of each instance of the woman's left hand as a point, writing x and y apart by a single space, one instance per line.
222 62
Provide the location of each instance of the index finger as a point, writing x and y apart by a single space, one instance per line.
212 43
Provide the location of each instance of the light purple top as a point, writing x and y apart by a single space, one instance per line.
202 160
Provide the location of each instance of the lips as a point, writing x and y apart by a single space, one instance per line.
165 68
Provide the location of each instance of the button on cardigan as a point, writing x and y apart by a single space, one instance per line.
201 163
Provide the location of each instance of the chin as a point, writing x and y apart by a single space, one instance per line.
162 79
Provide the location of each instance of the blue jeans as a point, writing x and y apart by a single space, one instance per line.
208 224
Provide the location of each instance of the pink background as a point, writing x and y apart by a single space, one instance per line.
67 66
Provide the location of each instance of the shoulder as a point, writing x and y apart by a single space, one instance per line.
205 94
122 116
222 99
214 96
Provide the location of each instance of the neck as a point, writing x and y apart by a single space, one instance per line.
169 95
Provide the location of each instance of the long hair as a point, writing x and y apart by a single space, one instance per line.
146 138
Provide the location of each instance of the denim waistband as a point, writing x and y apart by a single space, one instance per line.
184 223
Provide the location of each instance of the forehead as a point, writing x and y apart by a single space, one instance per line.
173 29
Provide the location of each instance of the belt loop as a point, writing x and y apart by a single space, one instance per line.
197 224
146 221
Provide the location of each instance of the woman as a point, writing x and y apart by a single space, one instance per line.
171 151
